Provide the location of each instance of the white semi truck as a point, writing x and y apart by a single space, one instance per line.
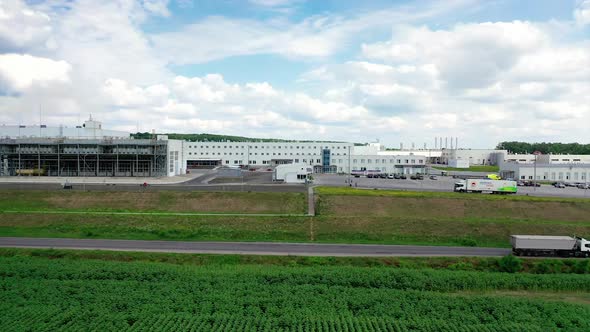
542 245
485 186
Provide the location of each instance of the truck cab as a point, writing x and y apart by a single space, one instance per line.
460 186
583 246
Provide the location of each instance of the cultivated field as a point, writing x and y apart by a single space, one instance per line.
343 215
57 290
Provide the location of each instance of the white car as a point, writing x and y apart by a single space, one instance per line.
391 176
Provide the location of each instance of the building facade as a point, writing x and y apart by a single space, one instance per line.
556 172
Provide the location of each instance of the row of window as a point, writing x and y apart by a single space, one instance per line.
575 176
267 147
262 154
391 161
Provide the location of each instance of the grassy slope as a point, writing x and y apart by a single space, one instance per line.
443 218
345 215
49 294
156 201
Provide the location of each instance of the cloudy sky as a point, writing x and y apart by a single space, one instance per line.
399 71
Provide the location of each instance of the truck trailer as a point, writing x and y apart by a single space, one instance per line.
551 246
485 186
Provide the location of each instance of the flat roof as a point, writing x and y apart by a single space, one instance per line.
543 237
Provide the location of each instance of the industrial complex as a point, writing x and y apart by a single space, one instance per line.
91 151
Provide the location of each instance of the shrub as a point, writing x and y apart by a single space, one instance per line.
510 264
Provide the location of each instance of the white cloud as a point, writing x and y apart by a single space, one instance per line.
582 12
318 36
469 55
19 72
22 27
121 93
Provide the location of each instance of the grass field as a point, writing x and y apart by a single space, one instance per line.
155 201
344 215
43 293
473 168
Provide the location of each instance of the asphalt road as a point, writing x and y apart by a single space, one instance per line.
250 248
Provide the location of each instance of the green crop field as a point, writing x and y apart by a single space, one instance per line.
43 293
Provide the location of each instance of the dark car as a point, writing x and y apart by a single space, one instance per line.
433 177
403 177
383 175
370 176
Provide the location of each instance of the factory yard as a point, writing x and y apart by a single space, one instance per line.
442 183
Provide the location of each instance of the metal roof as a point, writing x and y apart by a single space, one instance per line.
542 237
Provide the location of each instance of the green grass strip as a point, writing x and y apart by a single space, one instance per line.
185 214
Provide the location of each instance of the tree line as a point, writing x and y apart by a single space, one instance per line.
214 138
545 147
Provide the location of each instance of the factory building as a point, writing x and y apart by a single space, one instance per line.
90 129
474 156
83 157
558 172
87 150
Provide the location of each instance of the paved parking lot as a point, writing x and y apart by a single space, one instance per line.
443 183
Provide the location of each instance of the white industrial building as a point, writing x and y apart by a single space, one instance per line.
322 157
90 129
474 156
557 172
292 173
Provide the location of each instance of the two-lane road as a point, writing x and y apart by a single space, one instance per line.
250 248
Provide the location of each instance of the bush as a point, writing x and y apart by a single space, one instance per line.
510 264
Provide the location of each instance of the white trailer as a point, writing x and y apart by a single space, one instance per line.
485 186
543 245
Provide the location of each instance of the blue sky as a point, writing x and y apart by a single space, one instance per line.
399 71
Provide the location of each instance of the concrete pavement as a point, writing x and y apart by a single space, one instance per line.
251 248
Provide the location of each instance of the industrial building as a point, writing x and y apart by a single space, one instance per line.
77 157
87 150
558 172
292 173
90 150
90 129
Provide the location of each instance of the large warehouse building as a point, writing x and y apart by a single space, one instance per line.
90 150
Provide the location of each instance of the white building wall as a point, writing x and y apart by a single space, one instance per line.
292 173
549 172
176 164
91 130
474 156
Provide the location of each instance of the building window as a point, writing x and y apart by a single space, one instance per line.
227 161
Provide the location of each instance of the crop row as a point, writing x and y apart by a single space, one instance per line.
60 294
51 320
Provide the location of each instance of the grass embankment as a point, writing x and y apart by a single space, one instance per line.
344 215
474 168
379 216
153 202
37 293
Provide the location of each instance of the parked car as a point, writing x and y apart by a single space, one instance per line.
391 176
370 176
520 183
559 185
584 186
396 176
403 177
420 177
433 177
570 184
383 175
413 177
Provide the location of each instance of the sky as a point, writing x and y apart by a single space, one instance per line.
483 71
